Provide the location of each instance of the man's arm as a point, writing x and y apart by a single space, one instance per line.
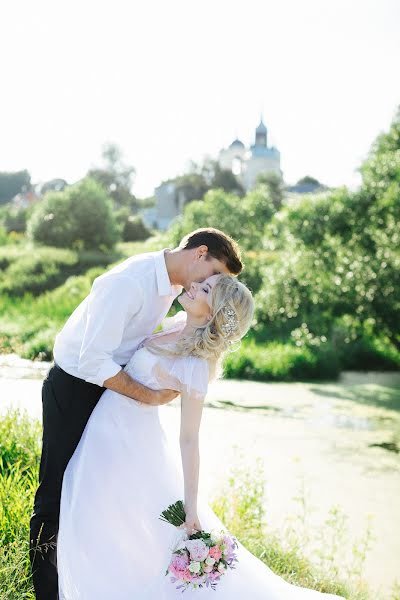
124 384
112 302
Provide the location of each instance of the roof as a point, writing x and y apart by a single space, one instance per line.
261 128
236 144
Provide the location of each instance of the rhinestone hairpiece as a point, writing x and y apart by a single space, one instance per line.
231 321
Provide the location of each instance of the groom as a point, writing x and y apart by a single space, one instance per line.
124 306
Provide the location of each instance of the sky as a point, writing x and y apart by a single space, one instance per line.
171 81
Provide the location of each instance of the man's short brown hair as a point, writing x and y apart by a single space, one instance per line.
220 246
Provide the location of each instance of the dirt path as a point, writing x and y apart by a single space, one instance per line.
319 432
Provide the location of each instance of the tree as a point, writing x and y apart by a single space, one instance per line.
338 253
241 218
13 183
274 185
80 217
116 177
307 180
214 177
192 185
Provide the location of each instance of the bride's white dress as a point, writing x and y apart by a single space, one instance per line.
124 472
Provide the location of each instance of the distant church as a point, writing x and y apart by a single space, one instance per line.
247 164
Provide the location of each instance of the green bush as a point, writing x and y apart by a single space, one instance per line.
135 230
241 218
80 218
14 218
278 361
3 236
358 348
38 269
132 227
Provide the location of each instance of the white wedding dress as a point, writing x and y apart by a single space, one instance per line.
124 472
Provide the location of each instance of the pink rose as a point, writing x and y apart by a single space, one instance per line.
186 575
215 552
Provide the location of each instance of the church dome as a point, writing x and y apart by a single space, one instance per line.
237 144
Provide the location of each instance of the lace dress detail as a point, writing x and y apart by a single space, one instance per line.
186 374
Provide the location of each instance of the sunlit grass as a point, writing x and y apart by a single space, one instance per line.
292 553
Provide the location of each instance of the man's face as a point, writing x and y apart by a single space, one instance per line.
197 300
200 268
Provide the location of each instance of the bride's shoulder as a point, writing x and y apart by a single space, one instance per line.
189 372
184 363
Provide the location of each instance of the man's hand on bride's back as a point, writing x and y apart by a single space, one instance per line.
124 384
165 396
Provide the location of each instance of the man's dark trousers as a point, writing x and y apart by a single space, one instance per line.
67 405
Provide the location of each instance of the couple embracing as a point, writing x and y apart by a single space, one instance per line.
107 467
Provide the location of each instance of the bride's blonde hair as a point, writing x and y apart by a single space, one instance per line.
232 308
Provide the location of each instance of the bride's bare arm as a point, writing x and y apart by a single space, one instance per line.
191 411
126 385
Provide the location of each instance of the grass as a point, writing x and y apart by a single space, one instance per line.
292 553
19 467
240 505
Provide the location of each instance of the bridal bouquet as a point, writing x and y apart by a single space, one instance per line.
200 559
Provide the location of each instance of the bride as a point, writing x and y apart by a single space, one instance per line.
124 472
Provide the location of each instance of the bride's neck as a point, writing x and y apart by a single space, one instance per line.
192 324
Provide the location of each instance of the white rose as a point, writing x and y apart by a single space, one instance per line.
221 567
194 567
210 560
215 536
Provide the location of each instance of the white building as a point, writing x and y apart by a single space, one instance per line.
248 163
245 163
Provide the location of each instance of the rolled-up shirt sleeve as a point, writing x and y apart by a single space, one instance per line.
112 302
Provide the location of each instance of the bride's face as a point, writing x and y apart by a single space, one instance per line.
197 300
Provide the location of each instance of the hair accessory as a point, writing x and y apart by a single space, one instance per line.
231 321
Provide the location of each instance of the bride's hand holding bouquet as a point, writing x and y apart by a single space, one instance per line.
192 521
200 558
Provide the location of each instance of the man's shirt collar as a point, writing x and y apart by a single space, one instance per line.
163 282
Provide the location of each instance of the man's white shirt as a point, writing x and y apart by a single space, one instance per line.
124 306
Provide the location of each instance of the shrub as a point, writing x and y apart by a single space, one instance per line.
278 361
241 218
38 269
3 236
132 227
135 230
80 217
14 218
